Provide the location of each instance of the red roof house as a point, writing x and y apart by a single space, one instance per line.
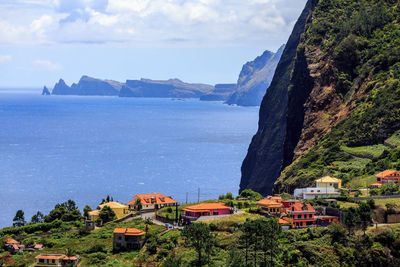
388 176
303 215
192 213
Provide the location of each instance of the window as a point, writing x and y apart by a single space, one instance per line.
312 190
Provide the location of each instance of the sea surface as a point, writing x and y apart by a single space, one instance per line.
55 148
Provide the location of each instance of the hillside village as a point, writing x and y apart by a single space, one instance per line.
128 225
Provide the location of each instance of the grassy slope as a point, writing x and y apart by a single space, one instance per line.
87 246
364 48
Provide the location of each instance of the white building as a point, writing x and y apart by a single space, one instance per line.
315 192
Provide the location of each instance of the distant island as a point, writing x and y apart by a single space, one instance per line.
253 81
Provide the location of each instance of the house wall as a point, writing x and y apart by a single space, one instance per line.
121 242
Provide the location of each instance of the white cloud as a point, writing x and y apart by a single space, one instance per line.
46 64
5 58
154 22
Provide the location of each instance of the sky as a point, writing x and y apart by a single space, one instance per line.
204 41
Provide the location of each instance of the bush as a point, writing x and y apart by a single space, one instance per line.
374 192
248 193
97 248
97 258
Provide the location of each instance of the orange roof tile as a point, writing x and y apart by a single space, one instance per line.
119 230
11 241
204 207
387 173
134 231
129 231
155 198
272 202
72 258
50 256
309 207
376 184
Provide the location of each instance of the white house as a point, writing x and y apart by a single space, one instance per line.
315 192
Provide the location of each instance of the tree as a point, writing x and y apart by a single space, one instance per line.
106 214
351 219
37 218
337 233
389 188
229 195
138 204
235 259
269 230
364 213
86 210
19 219
199 237
70 205
251 194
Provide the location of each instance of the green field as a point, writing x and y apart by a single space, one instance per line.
373 151
394 140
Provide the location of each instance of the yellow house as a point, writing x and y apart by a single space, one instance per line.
328 181
119 209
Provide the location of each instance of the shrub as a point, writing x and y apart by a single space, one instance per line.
97 258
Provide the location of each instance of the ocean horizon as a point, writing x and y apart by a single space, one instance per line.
55 148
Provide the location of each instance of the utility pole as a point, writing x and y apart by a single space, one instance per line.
186 197
198 196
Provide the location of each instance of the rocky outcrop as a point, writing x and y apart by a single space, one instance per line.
221 92
255 78
61 88
88 86
265 158
45 91
169 88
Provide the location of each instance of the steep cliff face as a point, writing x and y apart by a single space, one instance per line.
168 88
88 86
264 159
333 104
255 78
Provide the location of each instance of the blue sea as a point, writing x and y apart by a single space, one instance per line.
55 148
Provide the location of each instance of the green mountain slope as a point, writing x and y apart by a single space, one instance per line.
360 42
333 106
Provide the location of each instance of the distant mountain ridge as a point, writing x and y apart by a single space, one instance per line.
142 88
255 78
252 84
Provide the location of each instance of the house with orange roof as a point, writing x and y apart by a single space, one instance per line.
13 246
388 176
302 215
56 260
192 213
128 238
271 205
150 202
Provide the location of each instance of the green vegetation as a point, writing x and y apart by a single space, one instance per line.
248 193
94 248
365 151
394 140
360 42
